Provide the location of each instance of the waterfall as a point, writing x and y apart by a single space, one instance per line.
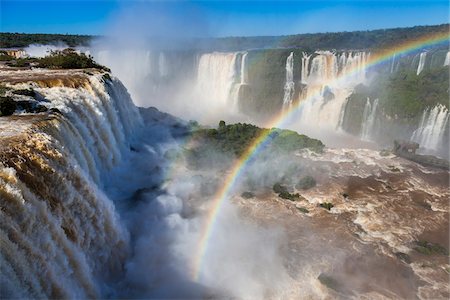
329 81
305 67
244 71
421 65
432 128
220 76
289 87
368 122
60 234
393 63
163 66
447 59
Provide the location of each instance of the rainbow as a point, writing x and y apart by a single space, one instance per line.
235 172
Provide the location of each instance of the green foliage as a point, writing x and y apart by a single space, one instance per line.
306 183
289 196
217 146
10 40
283 193
428 248
327 205
289 140
5 57
69 59
402 94
7 106
279 188
406 94
373 39
303 210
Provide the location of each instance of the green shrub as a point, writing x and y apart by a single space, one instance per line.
428 248
289 196
303 210
327 205
279 188
306 183
69 59
7 106
5 57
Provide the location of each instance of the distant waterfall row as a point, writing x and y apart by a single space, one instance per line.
419 62
61 237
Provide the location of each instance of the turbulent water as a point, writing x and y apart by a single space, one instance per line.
55 221
99 201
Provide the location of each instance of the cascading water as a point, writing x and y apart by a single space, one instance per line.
432 128
305 67
421 65
289 86
447 59
369 116
220 76
55 221
324 98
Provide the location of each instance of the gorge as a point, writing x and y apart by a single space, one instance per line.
105 196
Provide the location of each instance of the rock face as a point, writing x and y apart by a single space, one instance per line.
7 106
407 150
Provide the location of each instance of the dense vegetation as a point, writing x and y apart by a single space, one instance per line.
236 138
402 95
372 39
406 95
18 40
60 59
216 146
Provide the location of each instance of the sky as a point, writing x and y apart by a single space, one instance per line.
217 18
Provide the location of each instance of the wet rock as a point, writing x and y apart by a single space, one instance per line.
329 282
7 106
306 183
30 106
25 92
247 195
55 111
403 257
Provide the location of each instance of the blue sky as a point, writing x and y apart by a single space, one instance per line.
215 18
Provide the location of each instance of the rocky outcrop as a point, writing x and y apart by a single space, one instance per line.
407 150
